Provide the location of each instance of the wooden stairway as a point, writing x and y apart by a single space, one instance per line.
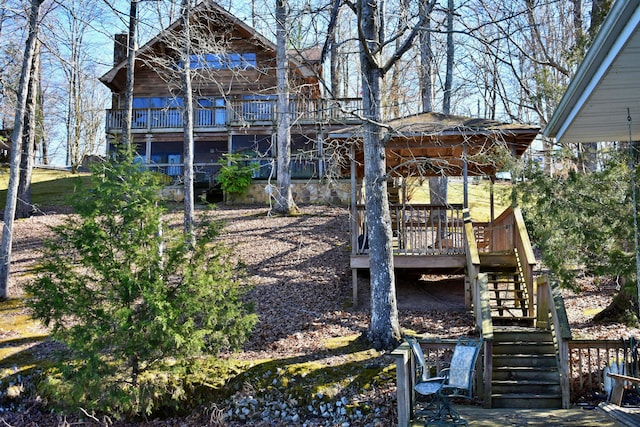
525 369
507 291
525 365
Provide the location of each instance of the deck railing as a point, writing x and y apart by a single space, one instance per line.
239 111
589 359
418 229
437 353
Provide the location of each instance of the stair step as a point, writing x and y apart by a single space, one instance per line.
506 307
515 334
526 400
507 312
507 295
525 373
497 269
504 348
504 279
513 321
515 387
519 360
498 291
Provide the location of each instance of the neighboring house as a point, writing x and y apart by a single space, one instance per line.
235 94
605 90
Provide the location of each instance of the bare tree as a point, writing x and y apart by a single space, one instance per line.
384 328
284 197
187 123
426 57
70 47
132 47
16 147
448 83
32 125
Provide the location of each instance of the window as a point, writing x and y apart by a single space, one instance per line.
257 150
142 102
210 112
219 61
258 107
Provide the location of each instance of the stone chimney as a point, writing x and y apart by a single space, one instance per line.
120 46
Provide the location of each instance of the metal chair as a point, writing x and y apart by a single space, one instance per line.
454 381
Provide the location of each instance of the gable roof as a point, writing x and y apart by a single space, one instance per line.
606 84
206 7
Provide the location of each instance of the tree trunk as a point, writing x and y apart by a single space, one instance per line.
131 64
24 208
284 197
16 149
622 309
426 58
384 328
187 121
438 184
448 83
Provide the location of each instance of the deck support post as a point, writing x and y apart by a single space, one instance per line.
354 224
354 284
465 177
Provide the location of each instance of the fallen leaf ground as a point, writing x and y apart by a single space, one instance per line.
299 271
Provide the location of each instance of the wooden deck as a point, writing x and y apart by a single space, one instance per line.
426 262
508 417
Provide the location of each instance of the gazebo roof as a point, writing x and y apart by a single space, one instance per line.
434 144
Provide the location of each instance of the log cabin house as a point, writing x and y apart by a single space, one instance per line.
234 84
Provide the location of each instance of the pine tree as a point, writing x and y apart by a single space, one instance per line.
124 296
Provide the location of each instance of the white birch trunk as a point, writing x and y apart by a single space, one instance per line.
284 197
16 149
187 117
24 207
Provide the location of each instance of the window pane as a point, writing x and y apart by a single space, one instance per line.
214 60
140 102
204 102
158 102
174 102
249 60
235 60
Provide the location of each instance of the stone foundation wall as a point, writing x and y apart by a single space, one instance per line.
336 192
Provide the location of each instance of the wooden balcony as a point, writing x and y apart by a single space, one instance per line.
240 112
418 229
425 237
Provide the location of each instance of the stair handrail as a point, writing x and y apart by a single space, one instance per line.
486 330
552 315
516 236
473 265
479 285
525 251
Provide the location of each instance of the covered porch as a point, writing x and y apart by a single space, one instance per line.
427 236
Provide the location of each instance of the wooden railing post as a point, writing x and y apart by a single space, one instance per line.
542 298
404 381
487 373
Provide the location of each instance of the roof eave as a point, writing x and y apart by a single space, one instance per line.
613 35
